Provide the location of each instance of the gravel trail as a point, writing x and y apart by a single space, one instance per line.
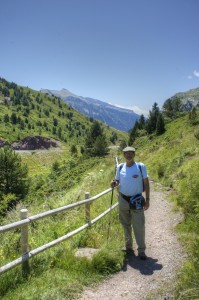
138 279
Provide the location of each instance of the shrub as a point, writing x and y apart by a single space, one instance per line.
13 177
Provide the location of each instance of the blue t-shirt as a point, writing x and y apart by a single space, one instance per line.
131 179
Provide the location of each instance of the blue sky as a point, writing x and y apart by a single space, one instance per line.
124 52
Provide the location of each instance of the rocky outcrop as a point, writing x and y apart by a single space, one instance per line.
190 103
31 143
4 143
184 101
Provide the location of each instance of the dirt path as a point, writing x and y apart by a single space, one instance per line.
165 255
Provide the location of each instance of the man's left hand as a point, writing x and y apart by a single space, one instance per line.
146 205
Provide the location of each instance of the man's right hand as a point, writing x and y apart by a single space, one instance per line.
113 183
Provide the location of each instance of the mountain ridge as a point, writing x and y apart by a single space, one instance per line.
119 118
187 99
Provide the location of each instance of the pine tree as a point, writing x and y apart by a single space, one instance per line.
73 150
6 118
100 147
96 143
142 122
13 118
160 126
133 133
193 116
13 176
152 120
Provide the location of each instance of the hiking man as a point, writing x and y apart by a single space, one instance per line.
132 179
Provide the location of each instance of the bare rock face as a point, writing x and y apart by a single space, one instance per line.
34 143
31 143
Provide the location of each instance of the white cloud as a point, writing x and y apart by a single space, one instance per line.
196 73
136 109
139 111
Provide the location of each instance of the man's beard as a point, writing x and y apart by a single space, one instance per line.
129 158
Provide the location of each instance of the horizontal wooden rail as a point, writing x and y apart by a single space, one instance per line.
51 212
26 256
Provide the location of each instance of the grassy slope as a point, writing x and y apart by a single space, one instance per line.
168 154
171 159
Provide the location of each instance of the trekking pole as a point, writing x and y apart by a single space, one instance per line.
109 224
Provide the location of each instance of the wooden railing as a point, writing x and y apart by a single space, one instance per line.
26 220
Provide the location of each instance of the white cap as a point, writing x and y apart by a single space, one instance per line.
129 149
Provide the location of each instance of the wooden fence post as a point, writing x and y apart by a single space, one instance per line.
87 207
24 242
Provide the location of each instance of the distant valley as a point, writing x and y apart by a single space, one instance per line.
116 117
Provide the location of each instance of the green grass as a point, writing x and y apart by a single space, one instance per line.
171 159
60 274
40 161
57 273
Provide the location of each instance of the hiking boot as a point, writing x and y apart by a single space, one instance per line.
128 251
142 256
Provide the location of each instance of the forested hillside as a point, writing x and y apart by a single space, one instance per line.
25 112
30 120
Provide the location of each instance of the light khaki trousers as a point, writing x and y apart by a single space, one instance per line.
132 218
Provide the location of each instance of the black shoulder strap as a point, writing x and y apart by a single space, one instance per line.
121 166
140 168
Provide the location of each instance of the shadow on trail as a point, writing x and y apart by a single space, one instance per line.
146 267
